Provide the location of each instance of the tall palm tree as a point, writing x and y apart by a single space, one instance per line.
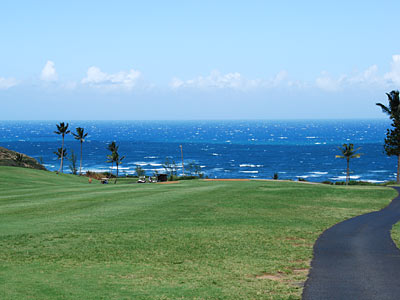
348 152
80 136
63 130
392 140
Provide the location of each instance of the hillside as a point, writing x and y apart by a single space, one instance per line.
16 159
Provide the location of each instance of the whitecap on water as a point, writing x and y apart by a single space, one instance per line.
250 166
344 177
374 181
318 173
139 163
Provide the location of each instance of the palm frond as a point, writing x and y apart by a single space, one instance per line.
385 109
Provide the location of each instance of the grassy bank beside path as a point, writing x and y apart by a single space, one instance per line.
62 238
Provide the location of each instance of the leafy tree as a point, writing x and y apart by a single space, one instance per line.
392 140
190 168
170 168
348 152
197 170
80 136
193 168
139 171
72 166
62 129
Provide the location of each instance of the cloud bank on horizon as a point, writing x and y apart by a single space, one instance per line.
128 80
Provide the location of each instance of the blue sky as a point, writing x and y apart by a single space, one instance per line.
197 59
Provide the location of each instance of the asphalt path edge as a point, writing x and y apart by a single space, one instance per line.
357 258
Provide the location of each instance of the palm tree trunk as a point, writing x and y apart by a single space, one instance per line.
62 155
112 166
398 168
117 174
80 167
348 172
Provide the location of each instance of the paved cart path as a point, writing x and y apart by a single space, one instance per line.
357 259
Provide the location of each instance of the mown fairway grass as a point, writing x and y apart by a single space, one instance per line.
62 238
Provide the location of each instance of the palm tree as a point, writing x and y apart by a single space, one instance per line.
348 152
113 148
63 130
392 140
111 159
118 161
394 105
80 136
61 153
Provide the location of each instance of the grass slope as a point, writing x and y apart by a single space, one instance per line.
62 238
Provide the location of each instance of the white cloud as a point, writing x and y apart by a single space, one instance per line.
234 80
369 76
49 72
393 77
366 78
280 77
327 83
125 80
6 83
214 80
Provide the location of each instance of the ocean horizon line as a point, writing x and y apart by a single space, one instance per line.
195 120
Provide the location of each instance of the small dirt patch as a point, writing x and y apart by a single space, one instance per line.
275 277
227 179
300 271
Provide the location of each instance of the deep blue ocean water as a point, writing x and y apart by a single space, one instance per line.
224 149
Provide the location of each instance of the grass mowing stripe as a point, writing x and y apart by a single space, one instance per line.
64 238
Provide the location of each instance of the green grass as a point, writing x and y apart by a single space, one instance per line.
62 238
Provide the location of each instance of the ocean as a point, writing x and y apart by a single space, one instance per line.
223 149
